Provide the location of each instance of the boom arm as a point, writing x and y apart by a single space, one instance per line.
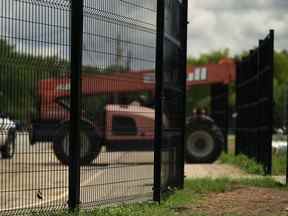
138 81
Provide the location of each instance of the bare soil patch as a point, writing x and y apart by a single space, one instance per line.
213 171
248 201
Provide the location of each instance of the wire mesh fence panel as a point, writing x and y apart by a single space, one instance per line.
170 96
254 104
118 78
77 90
34 46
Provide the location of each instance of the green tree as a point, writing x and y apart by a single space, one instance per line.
280 87
19 76
212 57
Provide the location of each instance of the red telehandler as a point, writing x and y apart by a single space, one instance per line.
119 122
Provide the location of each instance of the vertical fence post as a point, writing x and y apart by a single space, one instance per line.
76 64
181 156
271 97
237 103
158 99
220 109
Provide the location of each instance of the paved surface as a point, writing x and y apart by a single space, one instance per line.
35 179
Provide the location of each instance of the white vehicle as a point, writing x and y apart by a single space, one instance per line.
7 137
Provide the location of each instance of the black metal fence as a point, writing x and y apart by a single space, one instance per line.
78 91
35 46
220 109
254 103
170 95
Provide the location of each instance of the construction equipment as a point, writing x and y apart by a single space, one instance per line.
124 123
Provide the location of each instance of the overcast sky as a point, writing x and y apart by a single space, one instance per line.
235 24
214 24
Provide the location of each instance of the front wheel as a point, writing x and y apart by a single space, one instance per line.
89 149
204 143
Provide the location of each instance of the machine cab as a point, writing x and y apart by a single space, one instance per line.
129 127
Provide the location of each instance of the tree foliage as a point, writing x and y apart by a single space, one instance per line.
280 87
213 57
20 74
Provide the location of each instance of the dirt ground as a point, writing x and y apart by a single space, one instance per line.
213 171
248 201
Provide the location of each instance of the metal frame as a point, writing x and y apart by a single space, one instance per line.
158 99
53 179
220 109
170 93
254 103
75 113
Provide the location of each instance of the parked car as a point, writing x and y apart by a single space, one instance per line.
7 136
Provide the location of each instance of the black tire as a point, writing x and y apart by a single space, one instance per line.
92 142
204 142
8 149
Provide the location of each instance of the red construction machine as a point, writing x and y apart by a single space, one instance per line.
117 112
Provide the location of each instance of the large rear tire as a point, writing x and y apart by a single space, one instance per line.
204 142
90 144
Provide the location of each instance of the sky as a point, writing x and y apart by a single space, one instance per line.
42 27
235 24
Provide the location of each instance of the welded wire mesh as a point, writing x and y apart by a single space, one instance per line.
118 55
34 45
119 45
117 103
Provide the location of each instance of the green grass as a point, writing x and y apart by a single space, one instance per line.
248 165
279 163
174 205
278 158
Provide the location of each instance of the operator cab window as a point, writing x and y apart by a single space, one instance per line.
123 126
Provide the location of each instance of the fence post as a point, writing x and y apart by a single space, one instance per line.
158 99
270 56
181 156
220 109
237 103
76 64
271 97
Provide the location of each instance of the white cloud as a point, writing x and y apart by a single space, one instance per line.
42 28
214 24
234 24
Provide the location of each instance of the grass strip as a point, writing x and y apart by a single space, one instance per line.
243 162
195 190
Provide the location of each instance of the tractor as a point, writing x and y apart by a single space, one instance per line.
109 118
